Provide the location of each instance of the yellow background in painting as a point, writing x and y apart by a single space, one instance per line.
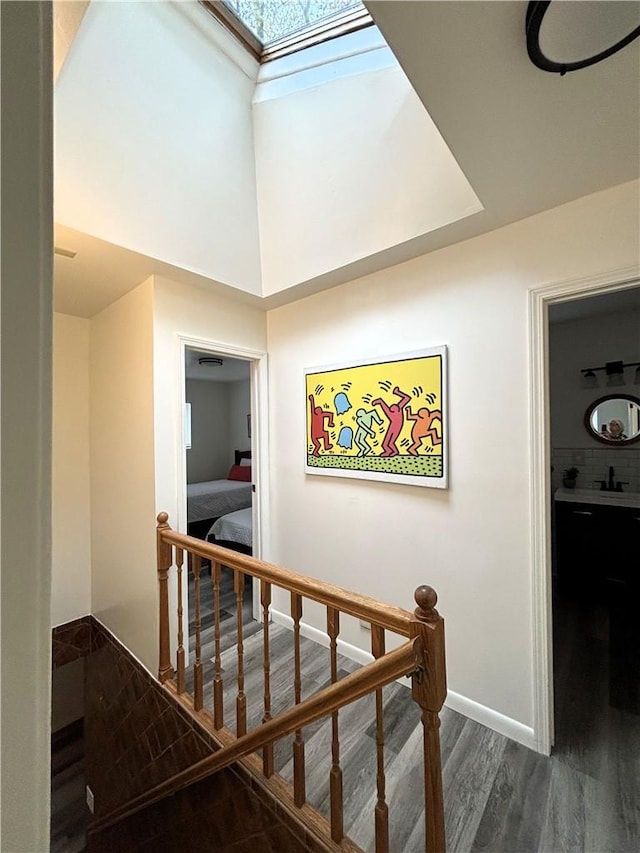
417 377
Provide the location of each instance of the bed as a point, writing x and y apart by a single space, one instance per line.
210 500
234 530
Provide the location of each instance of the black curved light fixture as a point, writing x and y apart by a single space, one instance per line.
536 11
210 359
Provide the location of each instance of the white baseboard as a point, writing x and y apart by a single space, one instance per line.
467 707
492 719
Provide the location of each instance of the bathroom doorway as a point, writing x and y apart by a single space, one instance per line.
573 299
594 400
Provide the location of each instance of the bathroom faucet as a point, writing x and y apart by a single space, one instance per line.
610 485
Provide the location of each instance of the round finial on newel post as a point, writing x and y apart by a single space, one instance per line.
163 518
426 598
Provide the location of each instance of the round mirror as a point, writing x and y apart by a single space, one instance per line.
614 419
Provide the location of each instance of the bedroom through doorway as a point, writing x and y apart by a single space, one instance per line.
219 477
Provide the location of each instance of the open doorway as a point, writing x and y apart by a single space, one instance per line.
218 443
219 430
594 519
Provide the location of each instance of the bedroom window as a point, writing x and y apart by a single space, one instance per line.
274 28
187 426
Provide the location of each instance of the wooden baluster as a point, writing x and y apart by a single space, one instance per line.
218 704
180 656
195 563
241 700
164 552
335 775
265 598
381 810
299 783
429 690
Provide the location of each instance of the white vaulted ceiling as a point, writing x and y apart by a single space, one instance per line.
165 159
526 139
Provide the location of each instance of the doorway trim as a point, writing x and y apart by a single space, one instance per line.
540 478
259 431
259 444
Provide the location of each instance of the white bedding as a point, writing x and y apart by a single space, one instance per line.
215 498
234 527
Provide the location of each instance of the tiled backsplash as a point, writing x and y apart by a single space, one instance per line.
593 465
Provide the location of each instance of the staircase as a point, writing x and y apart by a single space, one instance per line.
268 742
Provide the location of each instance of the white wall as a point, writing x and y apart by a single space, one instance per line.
154 139
136 374
210 456
124 579
348 164
202 317
71 571
472 542
25 448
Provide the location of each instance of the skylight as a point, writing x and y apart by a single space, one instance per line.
272 28
270 20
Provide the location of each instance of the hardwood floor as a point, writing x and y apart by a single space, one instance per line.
500 797
597 749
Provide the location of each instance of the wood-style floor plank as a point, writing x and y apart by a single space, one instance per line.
500 797
518 797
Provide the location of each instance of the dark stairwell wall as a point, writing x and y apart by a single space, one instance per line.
135 737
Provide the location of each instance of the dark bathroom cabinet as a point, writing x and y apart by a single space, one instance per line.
597 567
597 550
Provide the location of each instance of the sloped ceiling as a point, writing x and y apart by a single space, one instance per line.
166 144
67 17
526 140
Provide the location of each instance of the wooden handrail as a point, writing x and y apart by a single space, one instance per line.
387 616
429 691
401 661
423 657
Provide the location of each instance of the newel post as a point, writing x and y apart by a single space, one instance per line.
429 688
165 670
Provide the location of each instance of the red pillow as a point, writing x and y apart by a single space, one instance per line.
239 472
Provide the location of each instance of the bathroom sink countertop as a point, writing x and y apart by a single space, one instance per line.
595 496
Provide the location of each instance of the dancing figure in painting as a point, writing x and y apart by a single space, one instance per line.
422 428
364 420
318 429
395 414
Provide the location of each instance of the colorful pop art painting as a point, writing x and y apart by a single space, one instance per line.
380 419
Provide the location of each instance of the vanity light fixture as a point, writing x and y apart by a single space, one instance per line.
614 371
